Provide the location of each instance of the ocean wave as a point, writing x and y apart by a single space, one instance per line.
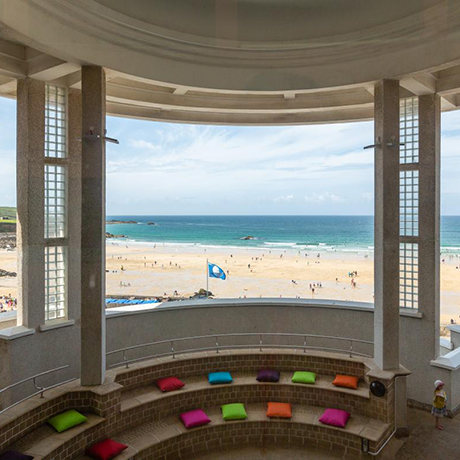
261 246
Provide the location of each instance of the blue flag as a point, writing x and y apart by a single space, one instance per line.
216 272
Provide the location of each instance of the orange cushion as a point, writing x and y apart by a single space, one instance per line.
347 381
282 410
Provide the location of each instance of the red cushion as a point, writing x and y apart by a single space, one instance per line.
105 450
169 384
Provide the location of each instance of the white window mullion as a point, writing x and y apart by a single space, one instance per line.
56 202
408 203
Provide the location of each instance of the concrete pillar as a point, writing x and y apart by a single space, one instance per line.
401 406
93 228
429 217
74 204
386 222
30 202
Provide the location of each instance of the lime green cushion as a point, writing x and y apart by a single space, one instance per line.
304 377
234 411
66 420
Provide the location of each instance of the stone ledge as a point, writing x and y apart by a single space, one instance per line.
15 332
56 325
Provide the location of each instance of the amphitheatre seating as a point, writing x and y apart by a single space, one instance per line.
131 409
151 437
134 398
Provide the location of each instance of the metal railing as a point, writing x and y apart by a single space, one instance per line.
261 345
41 390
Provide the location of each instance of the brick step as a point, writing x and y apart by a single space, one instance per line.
45 443
150 435
150 393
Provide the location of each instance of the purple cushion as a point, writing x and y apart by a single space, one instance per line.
194 418
335 417
266 375
13 455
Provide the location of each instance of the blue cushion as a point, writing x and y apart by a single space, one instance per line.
219 377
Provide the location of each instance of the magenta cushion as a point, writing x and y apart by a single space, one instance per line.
194 418
335 417
267 375
169 384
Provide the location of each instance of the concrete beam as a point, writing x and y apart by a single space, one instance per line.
239 103
71 81
7 85
180 91
420 85
449 102
242 119
12 67
448 81
44 67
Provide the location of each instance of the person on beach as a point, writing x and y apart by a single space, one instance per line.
439 403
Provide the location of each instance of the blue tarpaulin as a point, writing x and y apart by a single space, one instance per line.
129 302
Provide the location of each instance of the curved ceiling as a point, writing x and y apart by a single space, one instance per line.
237 61
243 45
260 21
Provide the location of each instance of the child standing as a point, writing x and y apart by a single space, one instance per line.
439 403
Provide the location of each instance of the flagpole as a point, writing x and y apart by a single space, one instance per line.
207 278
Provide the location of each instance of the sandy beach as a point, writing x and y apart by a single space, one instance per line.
164 269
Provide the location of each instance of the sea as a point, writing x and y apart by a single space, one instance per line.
300 233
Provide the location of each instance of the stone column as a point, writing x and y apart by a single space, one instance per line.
74 203
93 227
386 222
429 217
30 202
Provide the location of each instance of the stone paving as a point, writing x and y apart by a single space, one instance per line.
424 443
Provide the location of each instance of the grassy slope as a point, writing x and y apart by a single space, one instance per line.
9 212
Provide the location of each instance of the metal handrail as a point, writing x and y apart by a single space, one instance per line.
40 389
218 347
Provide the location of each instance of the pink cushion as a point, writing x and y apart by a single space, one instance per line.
335 417
194 418
105 450
169 384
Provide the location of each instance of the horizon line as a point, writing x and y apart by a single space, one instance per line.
254 215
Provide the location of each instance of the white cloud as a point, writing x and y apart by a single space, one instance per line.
369 196
141 144
323 197
284 198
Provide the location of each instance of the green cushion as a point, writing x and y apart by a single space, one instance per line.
304 377
66 420
234 411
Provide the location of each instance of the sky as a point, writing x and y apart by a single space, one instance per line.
182 169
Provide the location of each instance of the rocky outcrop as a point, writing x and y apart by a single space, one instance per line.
110 235
121 222
201 293
7 241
